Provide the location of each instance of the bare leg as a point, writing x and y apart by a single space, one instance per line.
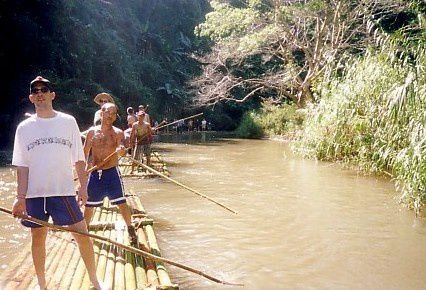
148 158
85 246
127 216
38 250
125 212
135 149
88 213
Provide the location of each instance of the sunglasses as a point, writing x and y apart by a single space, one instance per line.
43 90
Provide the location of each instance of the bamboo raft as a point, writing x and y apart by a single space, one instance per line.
157 163
117 267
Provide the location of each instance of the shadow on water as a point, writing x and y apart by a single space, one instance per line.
208 138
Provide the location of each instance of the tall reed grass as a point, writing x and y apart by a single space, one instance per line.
375 117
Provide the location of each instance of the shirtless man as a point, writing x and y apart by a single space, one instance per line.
144 109
106 180
142 136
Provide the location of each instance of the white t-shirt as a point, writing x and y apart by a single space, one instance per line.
49 147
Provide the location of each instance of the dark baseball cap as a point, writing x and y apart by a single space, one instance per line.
40 79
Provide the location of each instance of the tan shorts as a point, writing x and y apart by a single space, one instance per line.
142 150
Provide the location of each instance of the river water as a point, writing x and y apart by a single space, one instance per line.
301 224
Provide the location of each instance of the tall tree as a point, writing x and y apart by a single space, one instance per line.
277 49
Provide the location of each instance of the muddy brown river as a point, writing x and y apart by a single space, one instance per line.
301 224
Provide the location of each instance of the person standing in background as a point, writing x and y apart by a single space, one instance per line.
141 139
101 99
131 117
144 109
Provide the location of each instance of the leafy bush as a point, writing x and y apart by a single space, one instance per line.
280 120
250 126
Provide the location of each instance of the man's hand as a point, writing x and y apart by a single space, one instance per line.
82 195
19 207
121 151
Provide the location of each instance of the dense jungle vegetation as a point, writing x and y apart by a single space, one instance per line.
137 50
345 80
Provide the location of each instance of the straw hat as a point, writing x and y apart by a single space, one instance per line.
103 96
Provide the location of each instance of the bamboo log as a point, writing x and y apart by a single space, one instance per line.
139 205
113 225
141 278
129 248
161 271
63 260
109 215
184 186
151 274
101 248
110 264
129 267
78 276
67 279
119 278
51 263
151 271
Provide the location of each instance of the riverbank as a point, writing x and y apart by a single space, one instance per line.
371 118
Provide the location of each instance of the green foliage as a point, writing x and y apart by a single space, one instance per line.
374 117
250 126
226 22
280 120
128 48
271 120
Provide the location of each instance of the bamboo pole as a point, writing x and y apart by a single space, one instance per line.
67 279
174 122
183 185
119 278
129 269
129 248
59 263
110 265
102 162
163 276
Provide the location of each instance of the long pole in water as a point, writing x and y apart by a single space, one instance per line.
174 122
128 248
182 185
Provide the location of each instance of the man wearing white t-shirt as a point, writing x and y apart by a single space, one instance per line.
47 145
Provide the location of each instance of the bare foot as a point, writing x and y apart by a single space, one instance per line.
132 236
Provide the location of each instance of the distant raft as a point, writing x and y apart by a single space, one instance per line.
119 268
157 163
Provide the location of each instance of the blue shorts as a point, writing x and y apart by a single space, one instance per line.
64 210
105 183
